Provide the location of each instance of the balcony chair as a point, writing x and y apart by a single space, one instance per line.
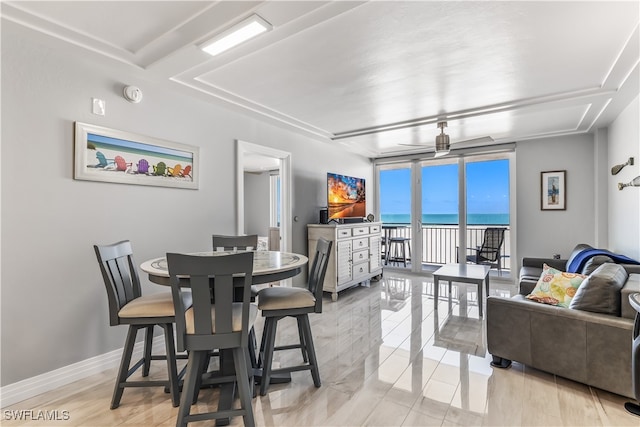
279 302
216 320
127 306
489 252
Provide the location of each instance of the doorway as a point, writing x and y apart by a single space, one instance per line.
251 158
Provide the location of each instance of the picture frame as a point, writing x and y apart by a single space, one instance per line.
111 155
553 190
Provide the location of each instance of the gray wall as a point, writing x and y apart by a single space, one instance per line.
544 233
624 206
54 308
256 203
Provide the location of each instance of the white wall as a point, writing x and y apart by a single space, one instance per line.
256 203
54 307
544 233
624 206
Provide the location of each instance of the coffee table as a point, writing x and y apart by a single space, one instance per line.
464 273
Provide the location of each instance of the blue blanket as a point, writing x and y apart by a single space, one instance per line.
577 263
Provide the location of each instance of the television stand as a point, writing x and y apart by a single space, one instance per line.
356 255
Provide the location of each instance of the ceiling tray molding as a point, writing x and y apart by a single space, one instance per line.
12 12
477 112
255 108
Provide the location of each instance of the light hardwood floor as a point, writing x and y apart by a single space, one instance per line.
387 359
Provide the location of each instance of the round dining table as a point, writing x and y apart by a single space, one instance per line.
268 266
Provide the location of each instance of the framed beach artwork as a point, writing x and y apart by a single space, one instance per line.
110 155
553 190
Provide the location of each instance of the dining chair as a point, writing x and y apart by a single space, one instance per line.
229 243
127 306
279 302
216 320
241 243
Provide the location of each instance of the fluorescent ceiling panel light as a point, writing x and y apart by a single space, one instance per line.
239 33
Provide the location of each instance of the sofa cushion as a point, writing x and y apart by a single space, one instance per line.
556 287
530 273
600 292
594 263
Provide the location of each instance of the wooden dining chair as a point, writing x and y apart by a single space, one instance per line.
127 306
241 243
229 243
279 302
215 321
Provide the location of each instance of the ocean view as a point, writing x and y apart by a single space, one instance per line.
448 219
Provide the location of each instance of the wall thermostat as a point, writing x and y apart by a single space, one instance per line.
132 94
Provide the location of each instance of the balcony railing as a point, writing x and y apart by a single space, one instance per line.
440 242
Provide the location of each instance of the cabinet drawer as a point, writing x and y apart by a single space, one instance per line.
360 231
361 271
360 256
344 232
374 229
360 243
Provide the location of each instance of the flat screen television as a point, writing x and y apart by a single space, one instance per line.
345 196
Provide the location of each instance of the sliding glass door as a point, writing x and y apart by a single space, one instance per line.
443 207
440 237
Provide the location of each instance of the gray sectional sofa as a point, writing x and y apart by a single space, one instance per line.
593 348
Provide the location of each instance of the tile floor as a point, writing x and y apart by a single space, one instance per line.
387 359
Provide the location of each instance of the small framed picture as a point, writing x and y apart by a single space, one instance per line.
553 190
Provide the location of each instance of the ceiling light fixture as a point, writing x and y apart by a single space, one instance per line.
442 141
239 33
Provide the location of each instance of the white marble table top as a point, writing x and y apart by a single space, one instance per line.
463 271
264 262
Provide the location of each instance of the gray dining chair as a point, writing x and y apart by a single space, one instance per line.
241 243
229 243
216 320
279 302
127 306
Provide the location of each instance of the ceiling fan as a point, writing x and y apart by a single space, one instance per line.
443 144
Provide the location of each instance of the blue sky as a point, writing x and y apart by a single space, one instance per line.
487 189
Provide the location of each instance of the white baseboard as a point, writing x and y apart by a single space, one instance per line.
25 389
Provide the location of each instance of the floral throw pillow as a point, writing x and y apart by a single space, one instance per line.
556 287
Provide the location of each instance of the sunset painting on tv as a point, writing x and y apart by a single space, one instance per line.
345 196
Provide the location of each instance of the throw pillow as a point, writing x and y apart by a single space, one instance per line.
594 263
600 292
556 287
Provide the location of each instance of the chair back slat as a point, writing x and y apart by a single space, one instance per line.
318 270
200 274
229 243
120 276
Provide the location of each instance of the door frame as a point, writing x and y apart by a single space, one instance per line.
242 149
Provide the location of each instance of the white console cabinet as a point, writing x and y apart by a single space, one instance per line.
355 256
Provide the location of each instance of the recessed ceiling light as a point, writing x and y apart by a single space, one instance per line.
239 33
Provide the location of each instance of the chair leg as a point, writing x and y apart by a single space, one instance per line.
270 337
204 364
311 351
148 342
172 368
303 345
243 378
189 387
123 371
252 348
